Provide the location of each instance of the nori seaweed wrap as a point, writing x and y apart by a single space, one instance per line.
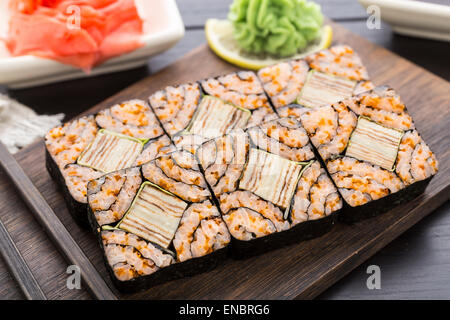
124 135
243 89
372 151
270 189
191 118
321 78
157 222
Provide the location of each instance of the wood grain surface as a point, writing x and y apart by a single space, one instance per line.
18 268
299 271
55 231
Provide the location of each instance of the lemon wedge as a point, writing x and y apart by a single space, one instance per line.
219 34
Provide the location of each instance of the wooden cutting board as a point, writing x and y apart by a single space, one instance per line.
300 271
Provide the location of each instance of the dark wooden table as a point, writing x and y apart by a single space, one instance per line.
414 266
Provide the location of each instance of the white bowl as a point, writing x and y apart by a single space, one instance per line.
415 18
163 27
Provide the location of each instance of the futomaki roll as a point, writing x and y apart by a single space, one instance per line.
269 187
321 78
163 207
243 89
372 151
191 118
124 135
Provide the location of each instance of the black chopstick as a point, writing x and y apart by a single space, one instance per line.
54 227
18 267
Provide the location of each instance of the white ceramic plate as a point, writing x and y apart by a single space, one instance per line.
415 18
163 28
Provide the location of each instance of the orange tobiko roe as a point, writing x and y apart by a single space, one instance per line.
81 33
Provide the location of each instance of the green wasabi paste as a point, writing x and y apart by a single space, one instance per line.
277 27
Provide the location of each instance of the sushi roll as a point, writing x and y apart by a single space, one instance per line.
157 222
125 135
243 89
372 151
321 78
269 187
191 118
